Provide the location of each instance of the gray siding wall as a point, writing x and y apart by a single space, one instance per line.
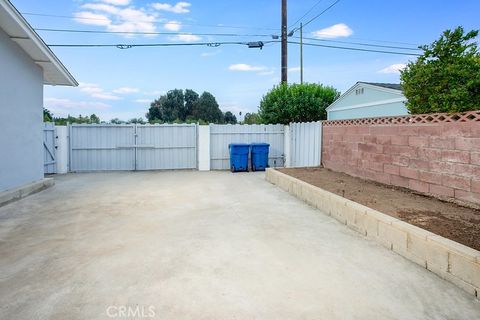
21 116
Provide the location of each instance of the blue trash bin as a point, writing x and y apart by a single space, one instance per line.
239 156
259 156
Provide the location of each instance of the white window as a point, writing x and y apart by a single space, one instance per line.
359 91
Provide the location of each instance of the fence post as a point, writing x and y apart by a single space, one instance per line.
204 148
320 142
70 149
62 148
287 146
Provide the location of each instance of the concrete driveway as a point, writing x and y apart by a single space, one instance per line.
192 245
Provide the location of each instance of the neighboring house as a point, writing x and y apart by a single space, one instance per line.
26 65
366 100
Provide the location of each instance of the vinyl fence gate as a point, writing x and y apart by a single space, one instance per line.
306 144
49 148
222 135
132 147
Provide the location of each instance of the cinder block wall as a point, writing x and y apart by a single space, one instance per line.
442 159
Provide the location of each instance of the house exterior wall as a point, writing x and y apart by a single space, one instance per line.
350 106
381 110
21 117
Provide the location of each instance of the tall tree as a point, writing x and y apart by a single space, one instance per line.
251 118
185 106
174 106
446 77
116 121
94 119
206 108
191 97
136 121
230 118
156 113
47 115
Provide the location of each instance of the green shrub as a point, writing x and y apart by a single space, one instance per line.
296 103
446 77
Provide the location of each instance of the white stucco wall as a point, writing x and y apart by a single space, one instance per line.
21 116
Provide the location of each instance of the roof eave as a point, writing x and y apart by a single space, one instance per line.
28 38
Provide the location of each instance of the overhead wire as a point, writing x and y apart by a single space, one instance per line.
151 33
354 49
359 43
129 46
310 10
216 34
150 21
318 15
217 44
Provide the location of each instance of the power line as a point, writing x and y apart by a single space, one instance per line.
150 21
354 49
223 35
386 41
217 44
318 15
151 33
310 10
361 44
129 46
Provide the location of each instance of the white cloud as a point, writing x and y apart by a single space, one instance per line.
101 7
294 69
173 26
394 68
117 2
96 92
91 18
335 31
185 38
116 18
89 88
246 67
126 90
59 105
106 96
143 101
180 7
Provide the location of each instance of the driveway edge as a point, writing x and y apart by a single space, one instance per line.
448 259
9 196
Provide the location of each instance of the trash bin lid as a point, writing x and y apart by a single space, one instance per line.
239 144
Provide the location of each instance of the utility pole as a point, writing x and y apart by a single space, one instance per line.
284 43
301 53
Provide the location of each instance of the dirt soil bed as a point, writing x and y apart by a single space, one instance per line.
449 220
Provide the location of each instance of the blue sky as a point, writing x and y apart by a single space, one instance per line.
121 83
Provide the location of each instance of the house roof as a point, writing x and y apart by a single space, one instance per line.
388 87
19 31
394 86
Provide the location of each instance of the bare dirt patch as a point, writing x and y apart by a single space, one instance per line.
447 219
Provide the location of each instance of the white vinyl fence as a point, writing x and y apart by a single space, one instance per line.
106 147
49 148
305 144
222 135
132 147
